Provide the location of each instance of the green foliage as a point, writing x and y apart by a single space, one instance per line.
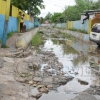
4 46
37 40
32 6
41 20
69 50
82 31
0 40
40 32
72 13
56 17
9 34
48 16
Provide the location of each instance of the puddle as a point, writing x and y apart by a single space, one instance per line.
76 64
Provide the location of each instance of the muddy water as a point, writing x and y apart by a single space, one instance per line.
76 63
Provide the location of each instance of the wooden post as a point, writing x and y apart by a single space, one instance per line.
6 23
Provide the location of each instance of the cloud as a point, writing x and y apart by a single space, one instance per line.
55 6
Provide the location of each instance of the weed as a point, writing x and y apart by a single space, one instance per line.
40 32
9 34
37 40
0 40
82 31
4 46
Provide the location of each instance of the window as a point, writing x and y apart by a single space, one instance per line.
96 28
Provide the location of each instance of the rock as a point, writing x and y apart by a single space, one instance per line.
43 89
49 86
23 79
31 82
1 62
35 94
40 86
48 80
37 79
34 85
82 82
68 78
7 59
30 98
93 86
84 96
22 67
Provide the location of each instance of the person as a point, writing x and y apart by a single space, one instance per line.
24 26
87 17
21 20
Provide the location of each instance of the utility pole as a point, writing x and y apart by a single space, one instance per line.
88 4
4 37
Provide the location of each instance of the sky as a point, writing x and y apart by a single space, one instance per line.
55 6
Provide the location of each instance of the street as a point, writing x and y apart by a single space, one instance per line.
60 70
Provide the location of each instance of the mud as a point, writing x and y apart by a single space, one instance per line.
58 72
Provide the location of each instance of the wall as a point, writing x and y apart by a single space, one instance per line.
59 25
36 24
63 25
2 19
28 24
12 24
76 25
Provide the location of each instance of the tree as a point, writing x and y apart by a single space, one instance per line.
56 17
41 20
32 6
48 16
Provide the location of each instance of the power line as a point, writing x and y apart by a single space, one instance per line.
54 4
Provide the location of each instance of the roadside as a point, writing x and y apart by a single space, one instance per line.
50 68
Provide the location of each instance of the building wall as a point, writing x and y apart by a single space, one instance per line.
63 25
78 25
2 19
12 24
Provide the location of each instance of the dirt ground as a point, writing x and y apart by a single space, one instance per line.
10 89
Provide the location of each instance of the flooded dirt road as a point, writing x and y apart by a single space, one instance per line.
75 59
61 68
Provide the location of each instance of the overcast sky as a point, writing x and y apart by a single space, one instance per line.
55 6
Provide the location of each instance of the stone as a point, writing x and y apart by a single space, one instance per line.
30 98
37 79
43 89
31 82
22 67
1 62
23 79
7 59
82 82
35 93
93 86
48 80
85 96
49 86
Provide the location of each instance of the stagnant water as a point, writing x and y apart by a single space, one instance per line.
76 64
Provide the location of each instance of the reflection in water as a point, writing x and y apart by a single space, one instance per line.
75 64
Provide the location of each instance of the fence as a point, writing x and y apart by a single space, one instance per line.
13 23
76 25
